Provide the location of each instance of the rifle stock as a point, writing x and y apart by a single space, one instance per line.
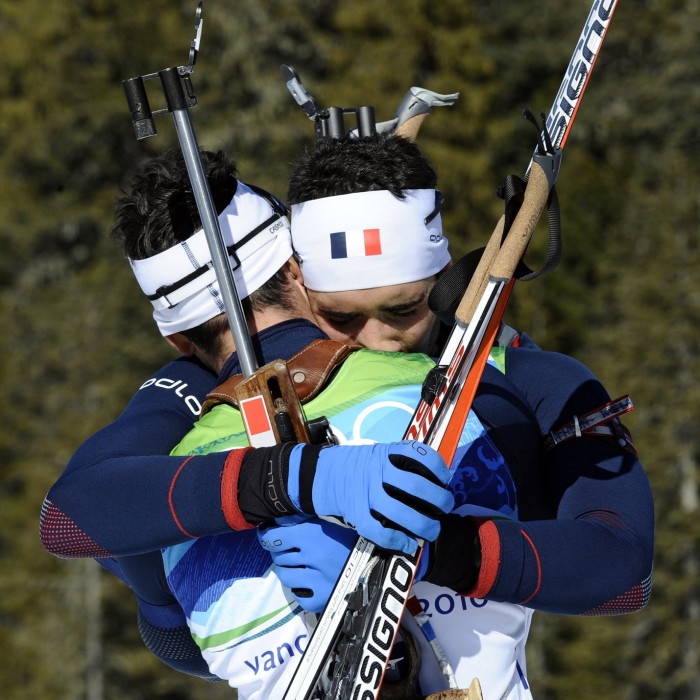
271 387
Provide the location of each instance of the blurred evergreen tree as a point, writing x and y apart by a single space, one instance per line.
78 338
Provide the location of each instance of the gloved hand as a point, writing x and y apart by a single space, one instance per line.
391 493
453 560
310 555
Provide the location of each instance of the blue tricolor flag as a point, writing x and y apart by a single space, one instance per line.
356 244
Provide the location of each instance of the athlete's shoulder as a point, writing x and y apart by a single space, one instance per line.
535 364
367 373
182 384
188 369
393 366
525 341
555 385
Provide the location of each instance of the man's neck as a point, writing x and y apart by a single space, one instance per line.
278 342
261 321
273 315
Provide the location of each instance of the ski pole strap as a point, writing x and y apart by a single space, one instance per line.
603 421
523 273
449 290
512 192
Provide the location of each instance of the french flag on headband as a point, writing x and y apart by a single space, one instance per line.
356 244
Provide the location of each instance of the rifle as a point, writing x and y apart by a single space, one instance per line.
267 393
356 632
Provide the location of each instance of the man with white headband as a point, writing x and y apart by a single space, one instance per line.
181 283
367 230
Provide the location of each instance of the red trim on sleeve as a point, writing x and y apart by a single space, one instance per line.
490 559
229 490
172 505
539 568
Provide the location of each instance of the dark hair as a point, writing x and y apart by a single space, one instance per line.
159 209
382 162
209 336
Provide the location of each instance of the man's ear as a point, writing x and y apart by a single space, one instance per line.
181 343
295 271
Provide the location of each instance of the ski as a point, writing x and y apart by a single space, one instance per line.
350 647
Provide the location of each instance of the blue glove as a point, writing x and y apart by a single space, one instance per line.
391 493
310 556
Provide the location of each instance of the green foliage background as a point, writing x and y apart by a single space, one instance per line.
77 338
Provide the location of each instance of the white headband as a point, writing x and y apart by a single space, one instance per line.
262 244
369 239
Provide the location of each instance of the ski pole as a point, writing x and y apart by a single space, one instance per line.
414 107
179 96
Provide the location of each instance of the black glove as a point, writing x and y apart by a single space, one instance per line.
454 558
